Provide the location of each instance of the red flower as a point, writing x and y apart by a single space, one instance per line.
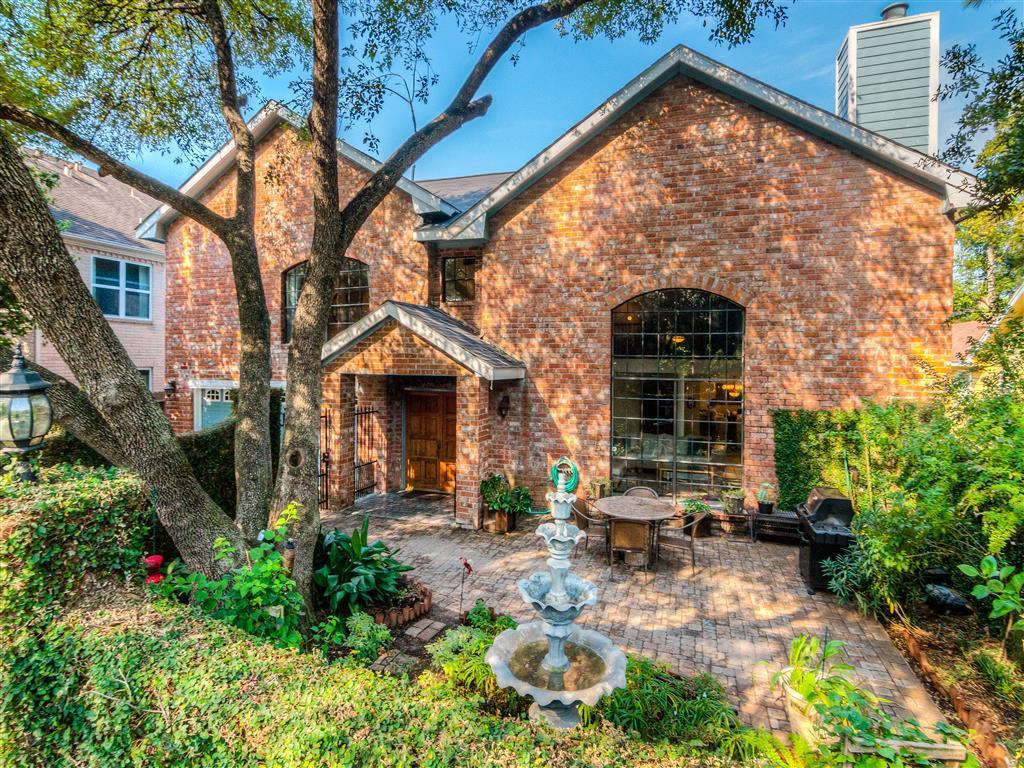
153 561
467 565
154 578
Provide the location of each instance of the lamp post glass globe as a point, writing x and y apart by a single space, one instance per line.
25 412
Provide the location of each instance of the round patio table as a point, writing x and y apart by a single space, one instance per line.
636 508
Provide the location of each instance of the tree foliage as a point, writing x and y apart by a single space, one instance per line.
989 247
993 115
132 74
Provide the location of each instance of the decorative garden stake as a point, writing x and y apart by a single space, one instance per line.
25 413
554 662
467 569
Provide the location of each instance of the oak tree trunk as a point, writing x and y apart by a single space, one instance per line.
36 265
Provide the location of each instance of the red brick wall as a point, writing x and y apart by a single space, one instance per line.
202 320
844 268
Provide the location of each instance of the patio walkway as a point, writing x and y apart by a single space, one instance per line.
744 604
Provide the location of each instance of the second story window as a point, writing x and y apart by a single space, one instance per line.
458 279
350 296
121 288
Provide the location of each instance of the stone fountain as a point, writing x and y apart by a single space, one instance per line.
554 662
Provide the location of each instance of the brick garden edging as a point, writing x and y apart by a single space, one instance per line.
395 618
993 753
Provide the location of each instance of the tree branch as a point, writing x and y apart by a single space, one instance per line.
463 108
114 167
73 411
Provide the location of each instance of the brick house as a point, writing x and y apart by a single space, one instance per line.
698 251
125 273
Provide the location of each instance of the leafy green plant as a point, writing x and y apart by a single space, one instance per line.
658 705
482 617
1002 676
844 714
366 638
493 487
258 597
765 493
357 575
1003 585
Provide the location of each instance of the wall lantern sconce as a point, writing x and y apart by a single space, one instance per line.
25 413
170 388
503 405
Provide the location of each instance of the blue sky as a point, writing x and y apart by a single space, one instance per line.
556 81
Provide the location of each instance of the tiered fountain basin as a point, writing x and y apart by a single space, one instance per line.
596 667
554 662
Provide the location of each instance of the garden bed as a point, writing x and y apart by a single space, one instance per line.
948 646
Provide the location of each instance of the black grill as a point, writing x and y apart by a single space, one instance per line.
825 527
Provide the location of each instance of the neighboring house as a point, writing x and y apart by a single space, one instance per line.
700 250
970 334
125 273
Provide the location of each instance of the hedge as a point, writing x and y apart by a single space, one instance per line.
137 682
211 452
77 521
812 449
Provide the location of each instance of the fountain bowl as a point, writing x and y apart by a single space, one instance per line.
593 644
580 592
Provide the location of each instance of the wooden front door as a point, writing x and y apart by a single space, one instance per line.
430 441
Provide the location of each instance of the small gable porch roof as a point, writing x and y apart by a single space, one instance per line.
438 329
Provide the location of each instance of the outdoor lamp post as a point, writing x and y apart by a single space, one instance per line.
25 413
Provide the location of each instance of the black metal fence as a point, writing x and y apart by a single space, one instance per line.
326 437
365 450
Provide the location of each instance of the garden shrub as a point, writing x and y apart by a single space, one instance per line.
659 705
459 653
258 597
365 638
355 575
75 522
159 684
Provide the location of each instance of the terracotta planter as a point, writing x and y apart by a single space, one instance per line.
394 618
498 521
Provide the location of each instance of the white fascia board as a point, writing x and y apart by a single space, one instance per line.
389 311
685 61
120 249
154 226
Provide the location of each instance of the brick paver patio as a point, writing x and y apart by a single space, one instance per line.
743 605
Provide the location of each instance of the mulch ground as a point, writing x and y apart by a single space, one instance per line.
947 642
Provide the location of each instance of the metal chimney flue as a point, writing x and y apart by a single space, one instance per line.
894 11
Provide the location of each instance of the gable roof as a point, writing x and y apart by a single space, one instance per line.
471 225
439 329
464 191
272 114
98 211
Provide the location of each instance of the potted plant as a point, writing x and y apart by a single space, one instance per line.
732 500
502 504
846 723
691 509
765 499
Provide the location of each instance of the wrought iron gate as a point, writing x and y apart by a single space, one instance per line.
324 476
365 451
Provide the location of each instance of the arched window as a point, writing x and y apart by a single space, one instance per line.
677 392
350 297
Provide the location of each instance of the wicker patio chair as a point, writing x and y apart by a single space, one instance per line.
682 539
630 536
586 517
643 491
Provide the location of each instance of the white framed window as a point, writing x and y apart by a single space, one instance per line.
121 288
147 376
